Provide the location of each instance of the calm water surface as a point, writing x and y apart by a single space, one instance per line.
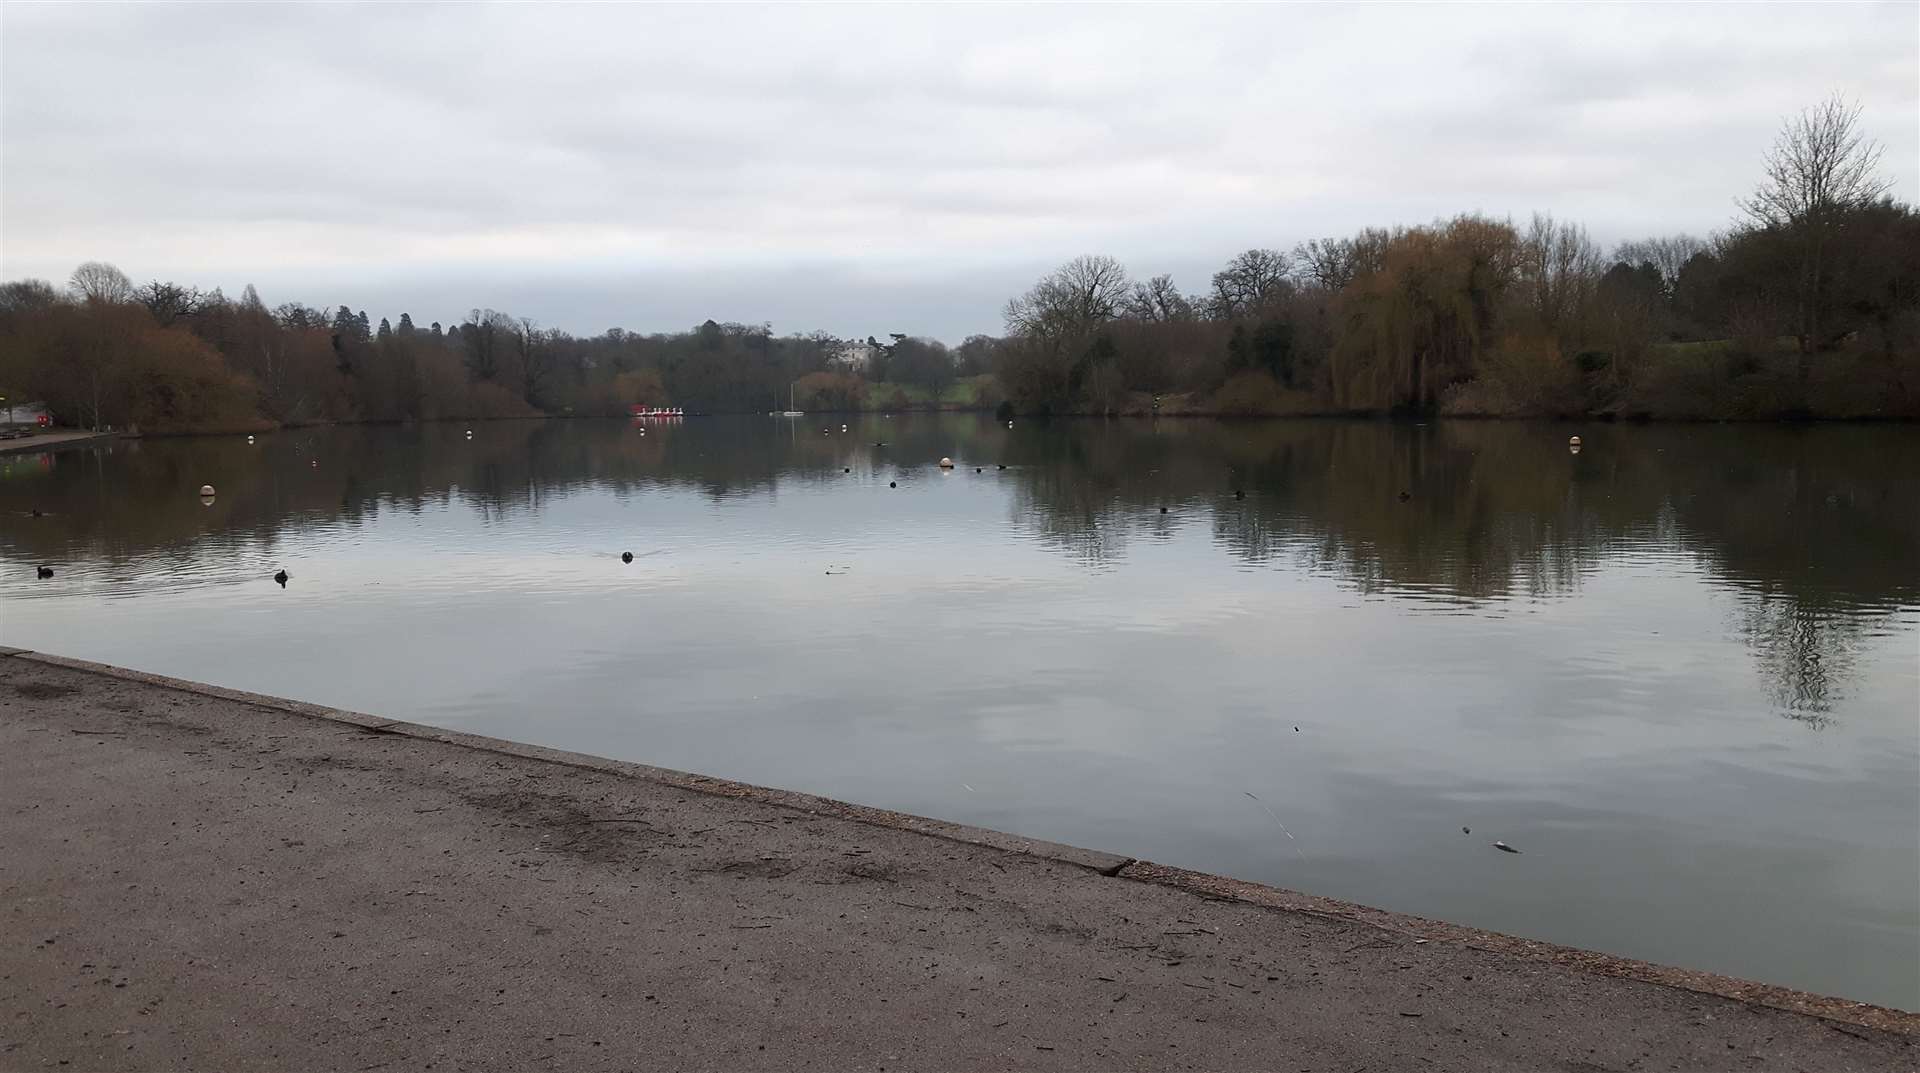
1680 670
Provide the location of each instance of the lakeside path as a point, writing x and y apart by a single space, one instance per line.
193 877
49 440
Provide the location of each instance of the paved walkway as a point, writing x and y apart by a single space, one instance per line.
193 878
46 440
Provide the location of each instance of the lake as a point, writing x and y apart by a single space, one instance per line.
1678 670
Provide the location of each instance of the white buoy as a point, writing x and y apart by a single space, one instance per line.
946 463
1573 441
1009 424
207 490
249 439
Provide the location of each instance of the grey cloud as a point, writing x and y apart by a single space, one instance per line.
649 166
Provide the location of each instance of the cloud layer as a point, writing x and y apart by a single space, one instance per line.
866 169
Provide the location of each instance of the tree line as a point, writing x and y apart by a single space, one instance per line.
1807 304
105 353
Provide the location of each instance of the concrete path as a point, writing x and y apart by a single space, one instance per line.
48 440
192 878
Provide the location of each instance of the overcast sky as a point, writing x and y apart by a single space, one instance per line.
870 169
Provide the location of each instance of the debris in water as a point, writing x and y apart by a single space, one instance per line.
1504 848
1276 820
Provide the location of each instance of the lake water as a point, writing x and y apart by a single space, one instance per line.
1680 670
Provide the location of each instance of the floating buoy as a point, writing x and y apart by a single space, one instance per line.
843 428
206 490
846 469
1573 441
43 572
1009 424
893 484
281 577
1573 448
976 469
249 439
946 463
626 556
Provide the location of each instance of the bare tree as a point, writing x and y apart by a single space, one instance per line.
27 295
1332 263
98 281
1819 164
169 302
1668 254
1558 267
1249 282
1158 300
1071 300
1820 170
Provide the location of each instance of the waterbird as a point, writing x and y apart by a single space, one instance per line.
1466 830
976 469
847 469
893 484
281 577
43 572
1163 510
1003 465
1238 494
1405 495
37 514
1504 848
626 556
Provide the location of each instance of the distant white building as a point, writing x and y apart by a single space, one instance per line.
855 356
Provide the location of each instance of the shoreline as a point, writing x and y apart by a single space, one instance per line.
225 750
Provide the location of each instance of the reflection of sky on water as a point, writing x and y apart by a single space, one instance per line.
1040 650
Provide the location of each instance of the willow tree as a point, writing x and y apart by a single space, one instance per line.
1420 321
